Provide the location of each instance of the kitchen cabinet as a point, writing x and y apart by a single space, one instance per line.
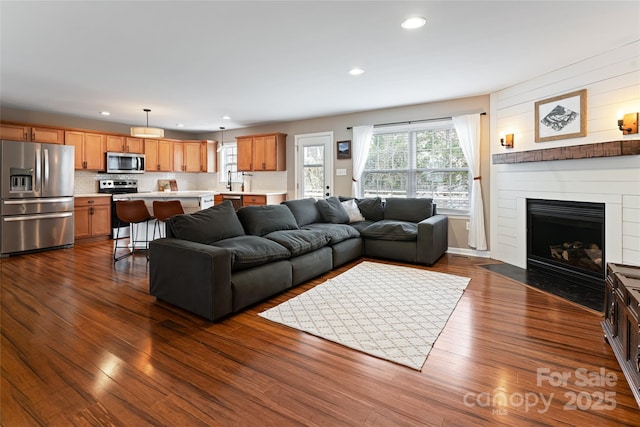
92 217
125 144
28 133
187 156
263 152
158 155
15 132
89 149
262 199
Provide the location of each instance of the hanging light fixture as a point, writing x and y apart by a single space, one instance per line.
221 145
147 132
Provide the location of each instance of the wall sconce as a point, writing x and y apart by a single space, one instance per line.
628 123
506 140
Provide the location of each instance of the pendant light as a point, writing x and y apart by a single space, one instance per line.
147 132
221 145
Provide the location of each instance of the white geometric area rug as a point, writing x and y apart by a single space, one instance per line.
391 312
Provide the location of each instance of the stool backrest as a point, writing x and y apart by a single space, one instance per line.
164 210
132 211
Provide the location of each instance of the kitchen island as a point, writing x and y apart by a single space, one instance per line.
192 201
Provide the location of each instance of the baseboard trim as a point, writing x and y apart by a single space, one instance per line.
469 252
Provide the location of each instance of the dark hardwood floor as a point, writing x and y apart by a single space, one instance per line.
83 343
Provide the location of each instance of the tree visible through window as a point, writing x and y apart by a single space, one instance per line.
415 161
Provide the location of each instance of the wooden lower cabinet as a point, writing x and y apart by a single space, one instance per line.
620 324
261 200
92 217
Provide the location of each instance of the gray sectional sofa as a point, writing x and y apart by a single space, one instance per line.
216 262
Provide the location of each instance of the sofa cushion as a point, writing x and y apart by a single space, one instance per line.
206 226
299 242
332 211
260 220
304 210
250 251
361 225
412 210
391 230
372 208
336 232
352 211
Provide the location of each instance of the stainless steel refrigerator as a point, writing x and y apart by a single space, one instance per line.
36 196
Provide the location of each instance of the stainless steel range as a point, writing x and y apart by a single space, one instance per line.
114 186
36 189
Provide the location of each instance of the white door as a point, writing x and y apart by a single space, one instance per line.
314 155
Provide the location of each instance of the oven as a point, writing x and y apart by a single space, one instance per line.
114 187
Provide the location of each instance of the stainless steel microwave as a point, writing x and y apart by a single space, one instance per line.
125 163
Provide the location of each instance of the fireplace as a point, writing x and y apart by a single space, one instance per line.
565 239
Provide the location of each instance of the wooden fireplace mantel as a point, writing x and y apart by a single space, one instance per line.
585 151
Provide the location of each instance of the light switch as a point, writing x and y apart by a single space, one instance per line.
341 172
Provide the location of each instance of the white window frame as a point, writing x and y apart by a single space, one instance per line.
412 129
223 155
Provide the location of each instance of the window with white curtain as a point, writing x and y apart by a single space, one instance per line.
419 160
228 156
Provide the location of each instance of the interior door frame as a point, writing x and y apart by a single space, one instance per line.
328 156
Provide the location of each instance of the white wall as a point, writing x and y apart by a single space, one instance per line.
612 80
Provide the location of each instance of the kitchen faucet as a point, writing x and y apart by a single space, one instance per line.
229 180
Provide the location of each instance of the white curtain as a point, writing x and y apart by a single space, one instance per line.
468 130
359 153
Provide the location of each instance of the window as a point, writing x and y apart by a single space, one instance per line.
229 162
419 161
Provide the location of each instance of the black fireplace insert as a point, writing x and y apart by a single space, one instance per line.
566 239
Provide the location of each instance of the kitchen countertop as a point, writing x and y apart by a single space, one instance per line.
92 195
185 193
251 193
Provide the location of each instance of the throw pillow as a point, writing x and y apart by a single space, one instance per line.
260 220
352 210
332 211
208 225
371 208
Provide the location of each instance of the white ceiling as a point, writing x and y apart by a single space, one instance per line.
266 61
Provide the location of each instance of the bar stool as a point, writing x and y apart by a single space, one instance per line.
133 212
163 210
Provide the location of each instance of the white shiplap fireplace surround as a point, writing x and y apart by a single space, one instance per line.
612 83
614 181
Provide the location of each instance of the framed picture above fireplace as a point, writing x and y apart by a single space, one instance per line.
561 117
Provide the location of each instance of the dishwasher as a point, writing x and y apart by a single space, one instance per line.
235 199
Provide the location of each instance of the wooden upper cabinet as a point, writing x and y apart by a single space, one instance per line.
47 135
28 133
158 155
15 132
245 153
125 144
264 152
188 156
89 149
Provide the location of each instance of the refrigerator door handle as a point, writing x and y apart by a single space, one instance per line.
38 216
36 201
38 172
46 170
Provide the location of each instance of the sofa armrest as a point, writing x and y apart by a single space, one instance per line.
192 276
433 239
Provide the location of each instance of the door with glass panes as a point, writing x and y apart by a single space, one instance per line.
314 165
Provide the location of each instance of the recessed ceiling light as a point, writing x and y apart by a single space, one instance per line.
413 22
105 113
225 117
356 71
180 125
